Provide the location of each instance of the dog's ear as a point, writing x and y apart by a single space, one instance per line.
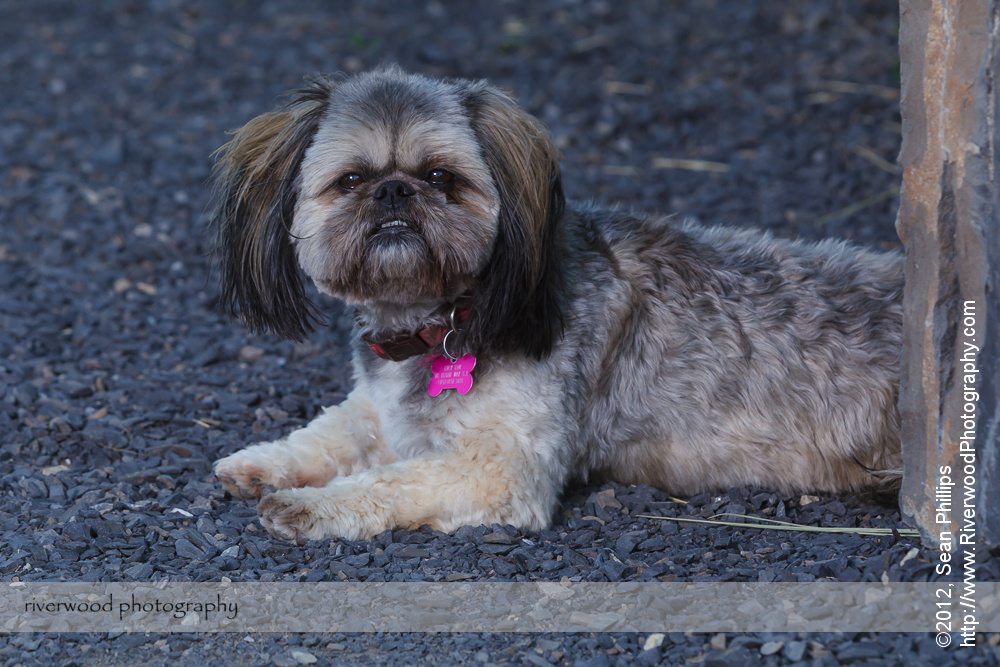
256 181
516 303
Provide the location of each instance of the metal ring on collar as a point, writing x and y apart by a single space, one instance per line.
444 347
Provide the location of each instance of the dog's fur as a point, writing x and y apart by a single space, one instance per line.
610 346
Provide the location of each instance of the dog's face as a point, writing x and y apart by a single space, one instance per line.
396 201
392 188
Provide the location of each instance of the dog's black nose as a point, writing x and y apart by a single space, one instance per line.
392 193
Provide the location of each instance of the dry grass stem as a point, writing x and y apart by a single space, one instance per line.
858 206
764 523
876 159
689 165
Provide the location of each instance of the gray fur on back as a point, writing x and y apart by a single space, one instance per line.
705 357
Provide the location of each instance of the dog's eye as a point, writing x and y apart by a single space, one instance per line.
350 181
438 176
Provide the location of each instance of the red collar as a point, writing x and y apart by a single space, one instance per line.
402 345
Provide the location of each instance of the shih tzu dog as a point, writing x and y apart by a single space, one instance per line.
508 341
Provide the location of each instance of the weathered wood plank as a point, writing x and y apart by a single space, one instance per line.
948 221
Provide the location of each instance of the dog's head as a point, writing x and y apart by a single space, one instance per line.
394 188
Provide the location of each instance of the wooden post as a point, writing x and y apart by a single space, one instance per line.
948 221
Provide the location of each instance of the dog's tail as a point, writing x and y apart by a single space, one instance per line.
886 484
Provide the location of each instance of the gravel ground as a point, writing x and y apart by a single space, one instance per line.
120 384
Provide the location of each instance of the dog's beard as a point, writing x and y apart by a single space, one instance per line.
396 250
434 254
396 266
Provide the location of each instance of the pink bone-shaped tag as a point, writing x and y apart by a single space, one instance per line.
448 374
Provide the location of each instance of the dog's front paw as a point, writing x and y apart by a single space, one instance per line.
300 515
242 477
289 517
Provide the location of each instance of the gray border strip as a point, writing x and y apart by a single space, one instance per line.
493 607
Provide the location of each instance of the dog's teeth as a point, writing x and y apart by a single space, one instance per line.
394 223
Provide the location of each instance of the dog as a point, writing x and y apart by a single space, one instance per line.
509 342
